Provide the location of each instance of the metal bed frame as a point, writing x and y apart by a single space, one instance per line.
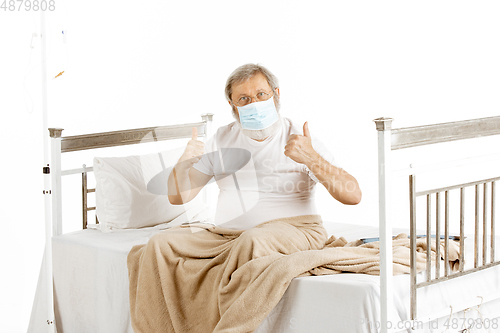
388 139
392 139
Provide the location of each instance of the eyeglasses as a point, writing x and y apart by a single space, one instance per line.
260 97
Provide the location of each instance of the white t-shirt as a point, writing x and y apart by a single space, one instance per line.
257 182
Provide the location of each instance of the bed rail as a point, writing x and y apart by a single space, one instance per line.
392 139
429 134
128 137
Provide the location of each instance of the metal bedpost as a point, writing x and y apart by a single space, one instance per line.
54 227
55 149
51 216
208 118
413 248
383 126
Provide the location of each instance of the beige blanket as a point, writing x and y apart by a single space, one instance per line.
211 279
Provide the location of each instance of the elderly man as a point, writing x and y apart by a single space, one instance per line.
288 160
228 277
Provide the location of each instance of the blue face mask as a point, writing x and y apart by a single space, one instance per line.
258 115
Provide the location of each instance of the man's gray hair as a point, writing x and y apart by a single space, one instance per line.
245 72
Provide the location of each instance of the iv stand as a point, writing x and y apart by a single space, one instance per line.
47 181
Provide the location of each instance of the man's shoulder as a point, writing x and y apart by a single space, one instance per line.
292 127
227 129
227 132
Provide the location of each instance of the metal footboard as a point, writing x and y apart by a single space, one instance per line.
392 139
486 208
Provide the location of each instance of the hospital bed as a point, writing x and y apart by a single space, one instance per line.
90 278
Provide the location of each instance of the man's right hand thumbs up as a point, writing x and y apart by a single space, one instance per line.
192 154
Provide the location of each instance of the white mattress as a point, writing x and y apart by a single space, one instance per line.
91 290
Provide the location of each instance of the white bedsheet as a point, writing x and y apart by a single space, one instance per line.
91 290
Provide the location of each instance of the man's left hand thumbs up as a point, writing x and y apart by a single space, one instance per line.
299 147
306 130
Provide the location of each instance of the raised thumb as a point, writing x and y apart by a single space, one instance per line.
306 130
194 133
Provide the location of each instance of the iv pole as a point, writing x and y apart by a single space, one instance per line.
47 181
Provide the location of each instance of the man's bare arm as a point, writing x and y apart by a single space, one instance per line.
340 184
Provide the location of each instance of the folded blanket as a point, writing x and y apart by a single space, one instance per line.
210 279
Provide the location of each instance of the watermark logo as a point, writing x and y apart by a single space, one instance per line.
233 169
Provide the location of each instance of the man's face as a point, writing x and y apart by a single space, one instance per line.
250 88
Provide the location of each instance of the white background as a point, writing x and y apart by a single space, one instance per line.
136 64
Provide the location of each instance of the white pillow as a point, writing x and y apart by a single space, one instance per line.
122 198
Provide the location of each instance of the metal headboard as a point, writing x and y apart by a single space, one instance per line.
392 139
61 144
